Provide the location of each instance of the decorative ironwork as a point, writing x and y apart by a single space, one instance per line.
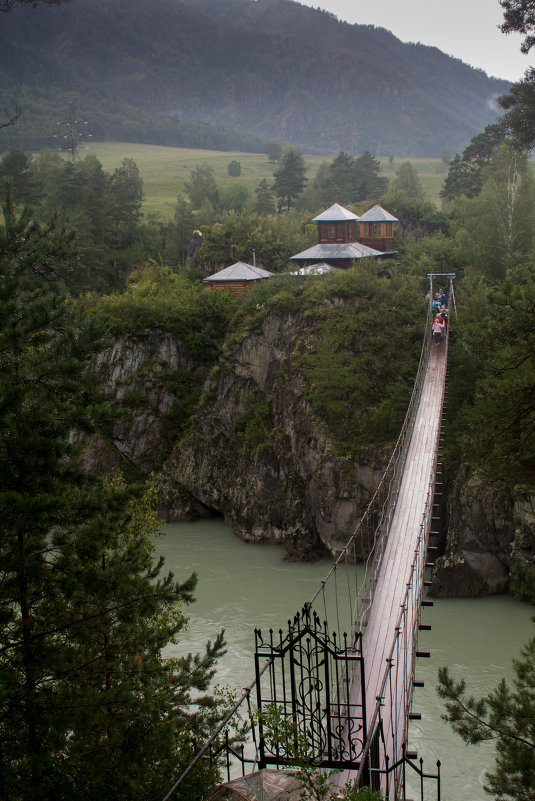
309 680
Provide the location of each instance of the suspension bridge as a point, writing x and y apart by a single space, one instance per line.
342 674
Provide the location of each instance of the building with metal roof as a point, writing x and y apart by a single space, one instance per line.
378 214
337 225
377 228
335 213
335 255
237 278
338 244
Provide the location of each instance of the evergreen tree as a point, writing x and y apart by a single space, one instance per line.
88 706
519 15
341 185
505 715
465 175
289 178
349 179
264 198
17 175
520 107
126 191
370 183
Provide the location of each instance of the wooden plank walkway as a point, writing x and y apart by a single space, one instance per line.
395 572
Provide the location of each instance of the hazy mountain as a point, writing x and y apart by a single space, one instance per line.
270 68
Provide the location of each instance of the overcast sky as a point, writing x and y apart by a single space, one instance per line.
466 29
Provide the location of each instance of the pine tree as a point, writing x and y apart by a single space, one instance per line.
264 198
289 178
505 715
126 191
88 706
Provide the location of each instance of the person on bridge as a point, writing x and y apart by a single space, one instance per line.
438 327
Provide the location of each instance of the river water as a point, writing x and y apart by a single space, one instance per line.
243 586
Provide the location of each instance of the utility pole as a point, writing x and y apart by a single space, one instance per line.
352 133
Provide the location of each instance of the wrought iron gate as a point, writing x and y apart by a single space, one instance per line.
316 684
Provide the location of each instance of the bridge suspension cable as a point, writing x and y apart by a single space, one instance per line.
352 723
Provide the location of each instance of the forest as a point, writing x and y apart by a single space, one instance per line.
88 705
230 74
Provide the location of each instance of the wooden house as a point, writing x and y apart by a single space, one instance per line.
377 228
336 225
338 244
237 278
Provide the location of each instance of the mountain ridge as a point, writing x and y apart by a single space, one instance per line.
266 68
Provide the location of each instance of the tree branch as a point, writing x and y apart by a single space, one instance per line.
14 119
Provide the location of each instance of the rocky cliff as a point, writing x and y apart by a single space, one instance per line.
138 376
256 453
488 527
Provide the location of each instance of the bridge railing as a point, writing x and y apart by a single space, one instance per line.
389 736
374 524
398 676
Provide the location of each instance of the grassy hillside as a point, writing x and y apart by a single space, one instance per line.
164 170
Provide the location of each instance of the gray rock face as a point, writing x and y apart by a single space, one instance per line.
256 454
132 374
488 527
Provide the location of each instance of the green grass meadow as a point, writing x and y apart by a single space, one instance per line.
164 170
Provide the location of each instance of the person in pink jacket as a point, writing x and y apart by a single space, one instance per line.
438 327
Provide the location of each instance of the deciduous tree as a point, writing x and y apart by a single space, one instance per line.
494 229
202 186
273 150
407 179
234 168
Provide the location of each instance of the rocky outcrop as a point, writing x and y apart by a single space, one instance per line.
135 374
488 527
256 454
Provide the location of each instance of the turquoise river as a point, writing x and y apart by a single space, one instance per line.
242 587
